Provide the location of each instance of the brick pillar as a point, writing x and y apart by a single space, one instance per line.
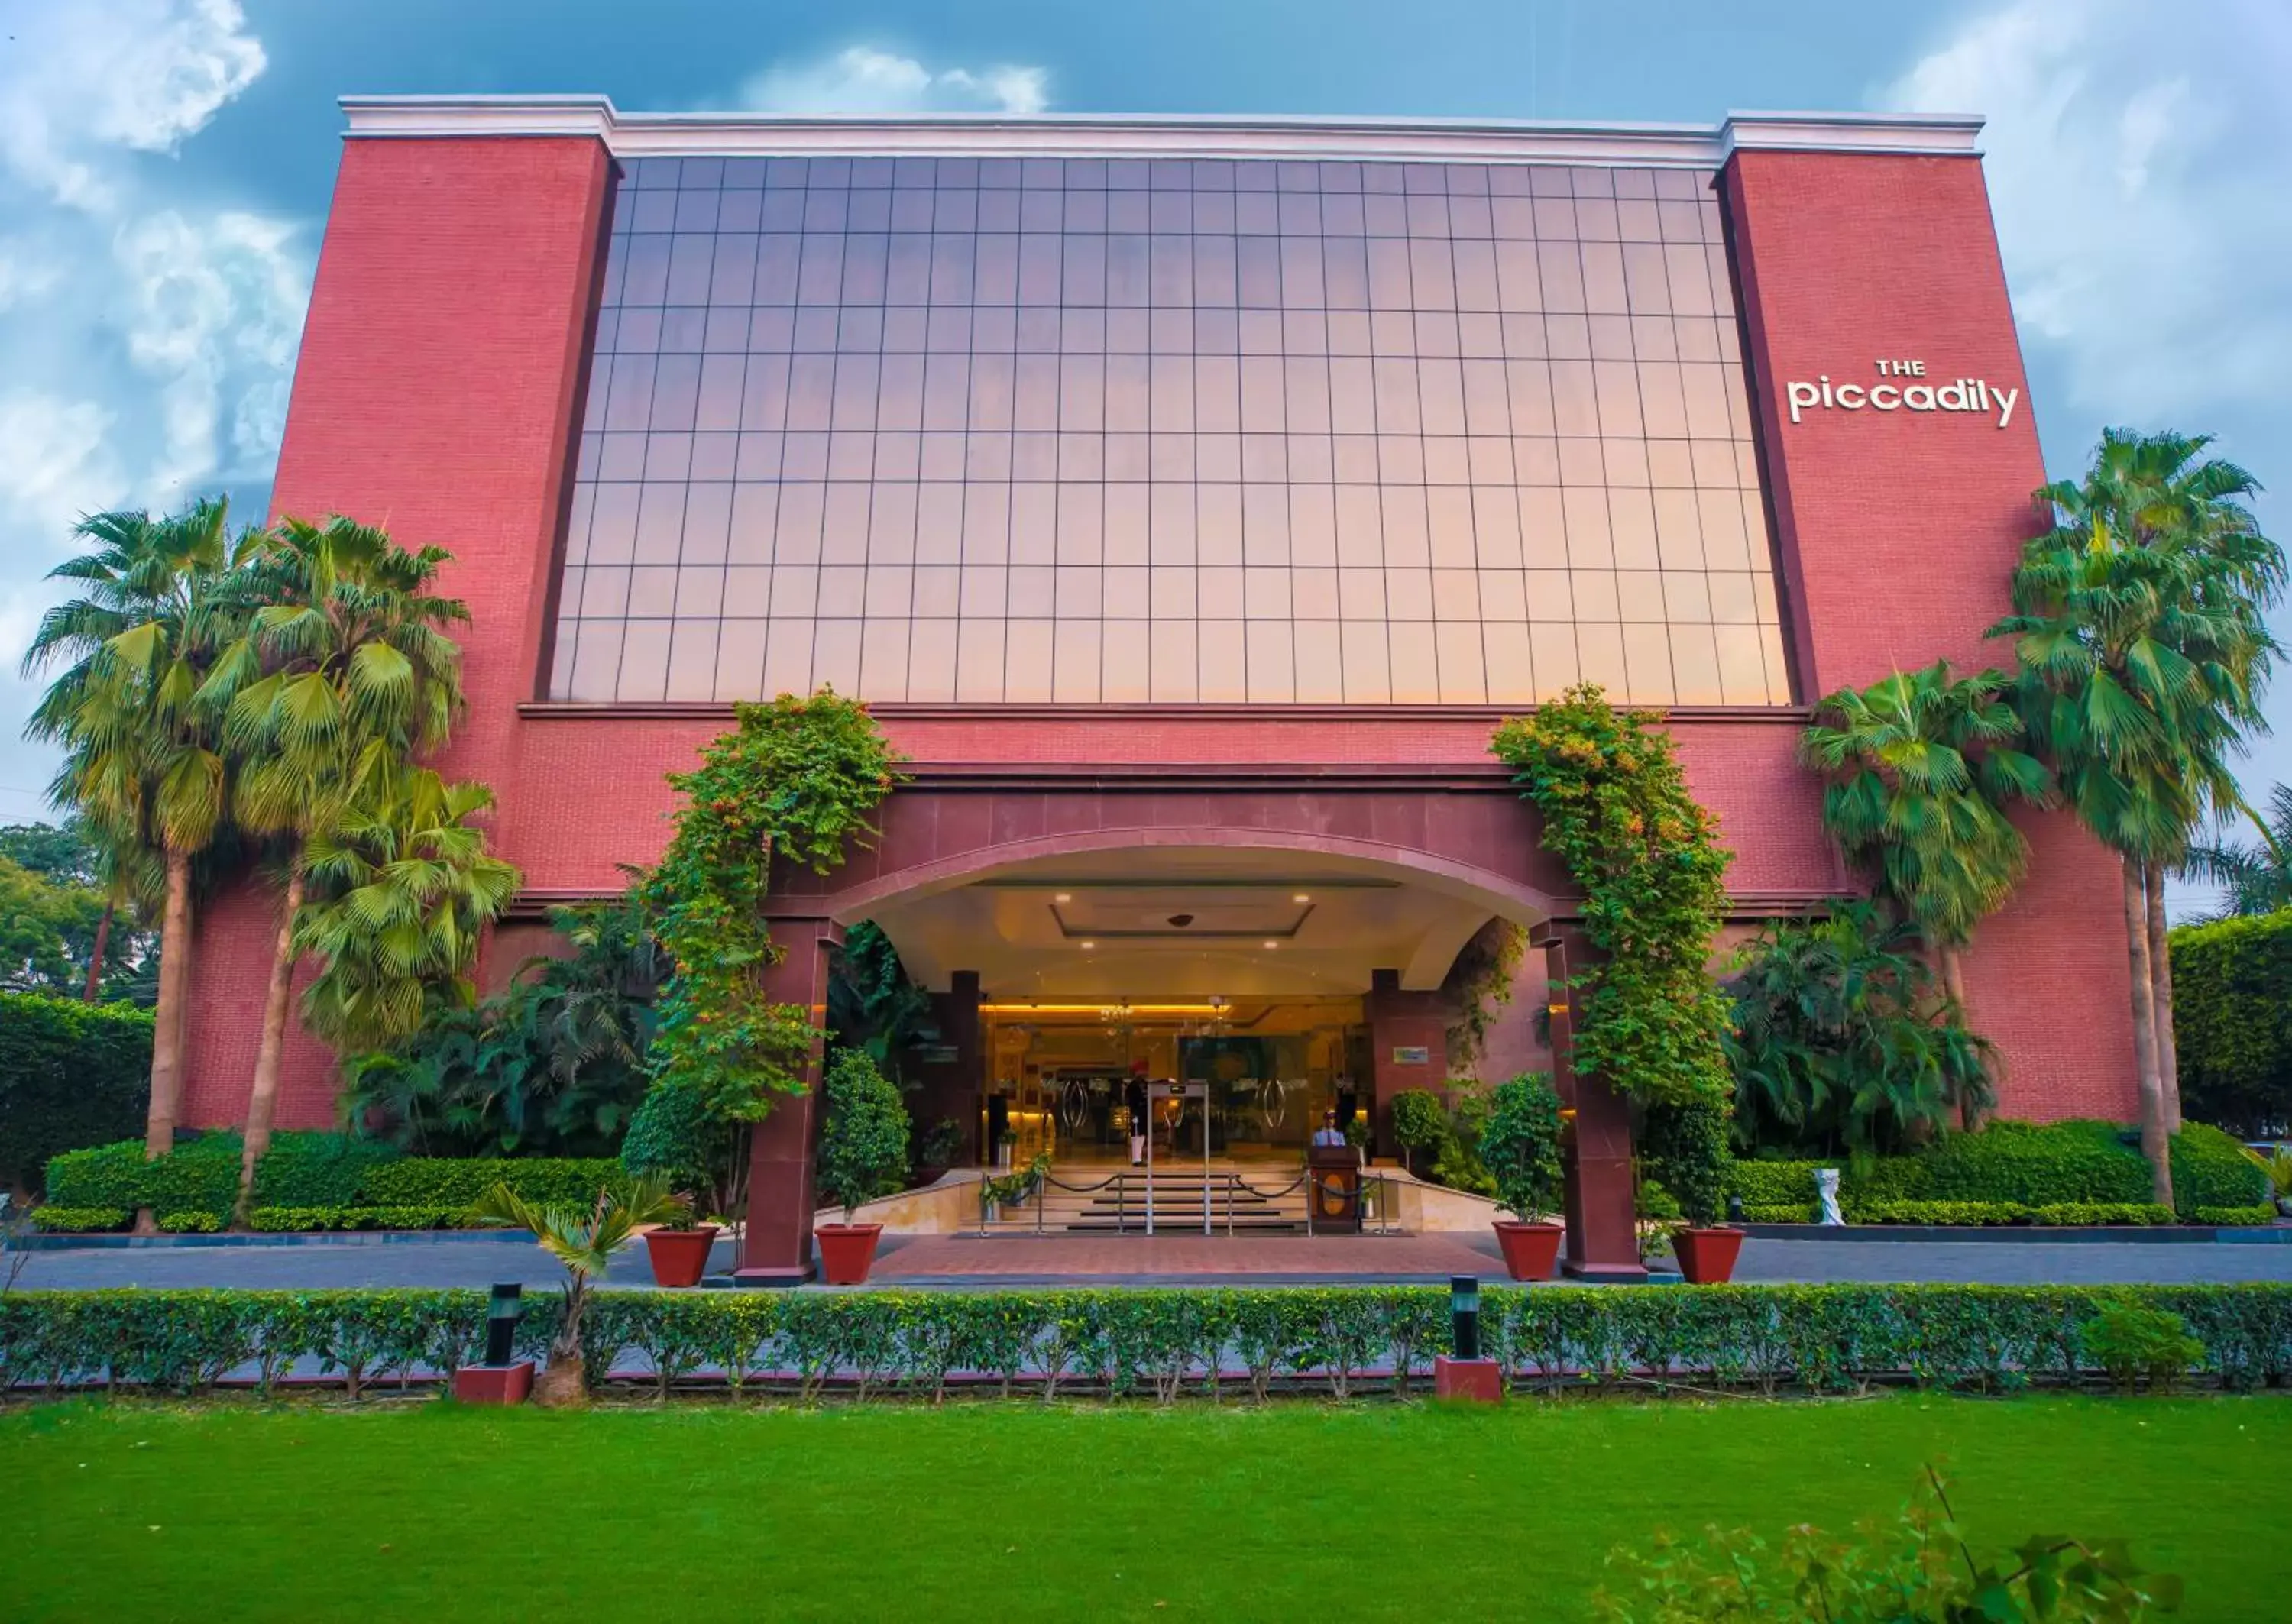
1603 1225
777 1251
951 1087
1400 1022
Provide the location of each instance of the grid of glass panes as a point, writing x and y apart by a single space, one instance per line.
1079 431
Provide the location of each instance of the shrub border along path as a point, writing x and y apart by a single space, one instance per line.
1340 1341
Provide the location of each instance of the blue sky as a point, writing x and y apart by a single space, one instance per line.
164 168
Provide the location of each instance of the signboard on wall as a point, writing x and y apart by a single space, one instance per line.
1412 1054
1901 386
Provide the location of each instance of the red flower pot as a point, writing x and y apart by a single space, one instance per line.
847 1251
680 1256
1530 1250
1707 1257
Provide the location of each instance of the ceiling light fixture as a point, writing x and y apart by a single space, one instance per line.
1301 897
1269 946
1088 946
1063 897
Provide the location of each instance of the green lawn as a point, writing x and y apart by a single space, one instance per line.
1014 1511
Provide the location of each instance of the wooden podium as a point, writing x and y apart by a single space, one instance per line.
1333 1188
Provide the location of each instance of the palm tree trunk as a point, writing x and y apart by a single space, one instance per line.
2154 1142
2161 978
1953 983
95 955
167 1028
564 1384
262 1097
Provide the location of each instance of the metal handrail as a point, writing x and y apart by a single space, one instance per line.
1375 1196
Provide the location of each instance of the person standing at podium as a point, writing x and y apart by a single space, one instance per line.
1329 1135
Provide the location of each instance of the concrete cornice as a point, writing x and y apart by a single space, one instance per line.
1140 136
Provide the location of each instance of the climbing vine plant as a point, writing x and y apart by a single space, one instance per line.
1616 810
795 781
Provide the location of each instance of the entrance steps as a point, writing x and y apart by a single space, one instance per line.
1268 1201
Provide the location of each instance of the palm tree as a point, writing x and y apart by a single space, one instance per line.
2257 877
1922 766
400 890
143 759
2139 622
585 1242
343 674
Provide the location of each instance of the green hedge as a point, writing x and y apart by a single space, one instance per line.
71 1074
2233 1021
1987 1212
1339 1341
2023 1164
80 1220
446 1181
201 1176
307 1220
312 1171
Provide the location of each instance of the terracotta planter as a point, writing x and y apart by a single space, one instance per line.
680 1256
847 1251
1707 1257
1530 1250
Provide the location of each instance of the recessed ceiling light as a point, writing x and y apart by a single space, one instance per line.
1063 897
1089 944
1301 897
1269 946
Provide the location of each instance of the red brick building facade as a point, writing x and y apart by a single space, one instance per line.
1725 417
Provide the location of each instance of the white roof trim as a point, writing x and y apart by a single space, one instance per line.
1452 140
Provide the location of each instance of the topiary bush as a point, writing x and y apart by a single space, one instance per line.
458 1182
1775 1183
2022 1161
71 1075
863 1138
2211 1170
318 1170
1519 1146
190 1224
1419 1124
2232 1021
1686 1148
200 1176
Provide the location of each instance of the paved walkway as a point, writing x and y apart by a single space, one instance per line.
1163 1259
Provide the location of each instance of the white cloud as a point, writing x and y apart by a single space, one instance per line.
866 79
139 74
2140 158
149 343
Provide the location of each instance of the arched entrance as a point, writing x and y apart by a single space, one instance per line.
1354 899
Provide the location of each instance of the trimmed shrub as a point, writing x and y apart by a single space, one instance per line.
316 1170
2232 1021
201 1176
2237 1218
1337 1342
1769 1213
71 1075
2211 1170
308 1220
2058 1165
2076 1214
1774 1183
190 1224
80 1220
458 1182
1418 1121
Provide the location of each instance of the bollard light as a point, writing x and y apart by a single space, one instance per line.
1734 1209
503 1312
1464 1314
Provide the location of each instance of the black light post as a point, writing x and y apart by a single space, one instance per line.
1464 1316
503 1314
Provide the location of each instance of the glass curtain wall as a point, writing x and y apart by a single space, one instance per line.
1108 431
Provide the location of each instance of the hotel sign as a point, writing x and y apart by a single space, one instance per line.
1902 386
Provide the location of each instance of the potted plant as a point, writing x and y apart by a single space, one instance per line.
936 1149
1687 1144
584 1243
679 1248
863 1154
1519 1147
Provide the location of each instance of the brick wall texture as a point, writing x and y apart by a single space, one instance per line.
440 373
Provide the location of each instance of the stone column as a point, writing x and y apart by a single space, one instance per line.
1603 1225
777 1251
1400 1024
